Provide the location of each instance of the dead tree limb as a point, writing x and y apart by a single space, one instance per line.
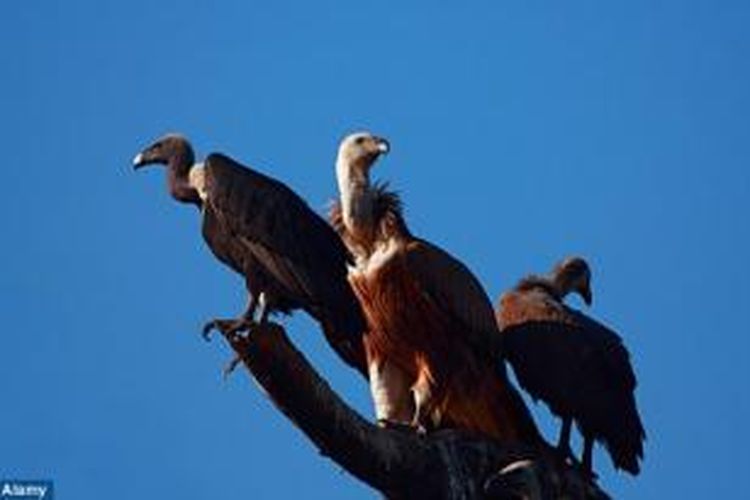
446 464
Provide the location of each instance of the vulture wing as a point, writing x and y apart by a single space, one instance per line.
456 291
578 366
293 244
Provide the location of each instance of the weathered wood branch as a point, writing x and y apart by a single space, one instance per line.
400 463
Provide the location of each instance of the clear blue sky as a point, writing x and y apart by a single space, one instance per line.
521 132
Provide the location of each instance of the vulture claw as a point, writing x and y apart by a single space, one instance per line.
396 426
231 330
230 367
228 327
567 455
206 330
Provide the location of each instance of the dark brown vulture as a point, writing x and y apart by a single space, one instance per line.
290 257
576 365
432 340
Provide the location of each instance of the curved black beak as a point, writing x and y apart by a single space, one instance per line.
149 156
384 147
139 161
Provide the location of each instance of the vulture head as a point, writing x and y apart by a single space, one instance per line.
359 151
574 275
173 151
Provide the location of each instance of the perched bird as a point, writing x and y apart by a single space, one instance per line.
432 340
289 256
576 365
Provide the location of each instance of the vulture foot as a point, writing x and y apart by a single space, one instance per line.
567 454
397 426
419 425
228 327
231 330
230 367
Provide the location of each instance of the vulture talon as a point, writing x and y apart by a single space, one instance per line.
207 329
396 425
230 367
229 328
420 430
566 453
419 426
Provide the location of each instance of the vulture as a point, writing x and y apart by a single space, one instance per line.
290 257
432 341
577 366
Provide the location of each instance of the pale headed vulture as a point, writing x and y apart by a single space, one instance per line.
432 339
576 365
290 257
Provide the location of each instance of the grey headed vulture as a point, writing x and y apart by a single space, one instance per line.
577 366
431 344
290 257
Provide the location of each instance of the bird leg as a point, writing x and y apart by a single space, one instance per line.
230 327
563 444
588 448
390 390
264 310
230 366
423 406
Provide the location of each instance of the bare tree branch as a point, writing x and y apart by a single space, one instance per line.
447 464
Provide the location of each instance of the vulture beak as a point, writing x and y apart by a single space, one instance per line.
383 146
138 161
147 157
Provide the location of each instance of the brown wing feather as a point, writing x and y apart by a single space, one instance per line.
455 290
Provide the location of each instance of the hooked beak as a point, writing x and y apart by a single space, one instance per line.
138 161
145 158
384 146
